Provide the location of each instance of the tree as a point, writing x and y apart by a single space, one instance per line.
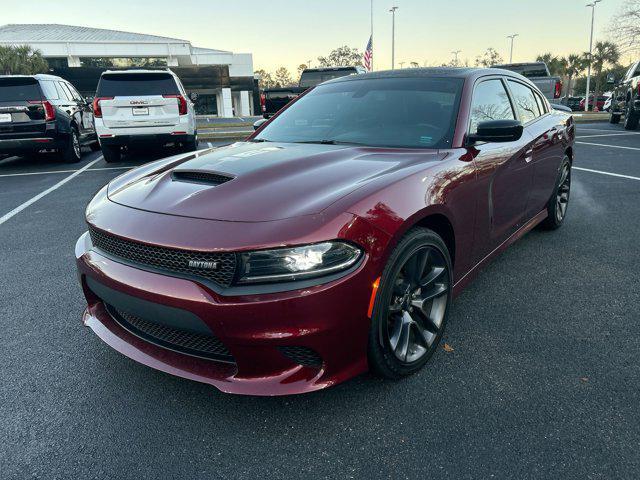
557 65
342 57
414 64
489 58
265 79
625 27
283 78
21 60
604 53
575 64
301 68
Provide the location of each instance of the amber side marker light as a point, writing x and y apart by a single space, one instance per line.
374 291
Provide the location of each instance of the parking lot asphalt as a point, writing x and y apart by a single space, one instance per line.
543 380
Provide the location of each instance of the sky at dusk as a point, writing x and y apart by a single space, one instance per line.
290 32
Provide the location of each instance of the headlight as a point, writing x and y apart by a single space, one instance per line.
287 264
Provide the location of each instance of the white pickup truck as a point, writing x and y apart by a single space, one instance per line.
539 74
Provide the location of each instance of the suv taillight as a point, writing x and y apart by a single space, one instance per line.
182 103
558 91
263 101
49 111
97 109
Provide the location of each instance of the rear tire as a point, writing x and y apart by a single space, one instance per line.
631 117
614 118
411 305
71 152
111 153
559 201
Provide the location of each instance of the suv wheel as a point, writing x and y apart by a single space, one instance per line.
111 153
614 118
631 117
71 152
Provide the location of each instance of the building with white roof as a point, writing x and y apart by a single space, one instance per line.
223 79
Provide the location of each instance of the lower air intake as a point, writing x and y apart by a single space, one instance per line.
302 356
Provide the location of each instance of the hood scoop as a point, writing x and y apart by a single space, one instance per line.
202 177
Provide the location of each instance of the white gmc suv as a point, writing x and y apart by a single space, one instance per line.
143 108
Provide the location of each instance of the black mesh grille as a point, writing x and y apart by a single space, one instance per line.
184 341
209 178
170 260
302 356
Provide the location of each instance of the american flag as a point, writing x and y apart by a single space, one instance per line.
368 54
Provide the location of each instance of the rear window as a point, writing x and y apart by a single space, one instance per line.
528 71
136 84
311 79
19 89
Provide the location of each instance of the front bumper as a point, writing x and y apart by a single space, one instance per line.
329 319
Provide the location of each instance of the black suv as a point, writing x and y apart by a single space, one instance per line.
44 112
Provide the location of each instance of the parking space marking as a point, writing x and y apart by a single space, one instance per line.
605 173
607 135
26 174
610 146
33 200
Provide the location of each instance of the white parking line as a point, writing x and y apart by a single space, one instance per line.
609 146
606 135
33 200
61 171
605 173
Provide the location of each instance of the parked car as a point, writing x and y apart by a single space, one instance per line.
627 99
274 99
331 241
538 73
574 103
44 113
607 104
599 103
143 108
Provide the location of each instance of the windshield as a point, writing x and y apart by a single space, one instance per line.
19 89
311 79
135 84
391 112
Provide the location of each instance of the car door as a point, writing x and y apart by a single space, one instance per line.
503 169
547 151
83 113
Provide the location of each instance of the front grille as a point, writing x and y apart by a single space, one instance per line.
171 260
184 341
209 178
302 356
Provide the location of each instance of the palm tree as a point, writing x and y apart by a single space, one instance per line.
21 60
575 63
605 53
556 65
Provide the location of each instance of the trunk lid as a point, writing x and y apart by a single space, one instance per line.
22 113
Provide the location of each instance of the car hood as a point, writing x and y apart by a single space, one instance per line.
255 182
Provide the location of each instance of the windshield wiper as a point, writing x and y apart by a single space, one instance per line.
259 140
333 142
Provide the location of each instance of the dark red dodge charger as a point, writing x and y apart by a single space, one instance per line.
332 240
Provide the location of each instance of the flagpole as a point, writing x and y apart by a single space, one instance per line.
372 35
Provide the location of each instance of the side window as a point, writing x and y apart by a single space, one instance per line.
542 105
74 92
490 102
64 92
49 90
525 101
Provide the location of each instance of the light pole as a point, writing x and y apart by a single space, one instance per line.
455 60
393 37
593 15
512 37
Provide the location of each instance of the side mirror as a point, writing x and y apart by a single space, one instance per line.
561 108
259 123
497 131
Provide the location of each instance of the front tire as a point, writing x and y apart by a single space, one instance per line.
614 118
71 152
412 305
559 201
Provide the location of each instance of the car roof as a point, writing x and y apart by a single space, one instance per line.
139 71
38 76
450 72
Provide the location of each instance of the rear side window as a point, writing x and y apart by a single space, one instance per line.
136 84
525 101
19 89
490 102
49 89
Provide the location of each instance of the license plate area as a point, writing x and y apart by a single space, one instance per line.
140 110
5 117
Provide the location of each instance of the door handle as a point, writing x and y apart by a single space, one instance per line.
528 155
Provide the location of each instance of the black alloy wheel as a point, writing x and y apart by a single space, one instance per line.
559 201
412 307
